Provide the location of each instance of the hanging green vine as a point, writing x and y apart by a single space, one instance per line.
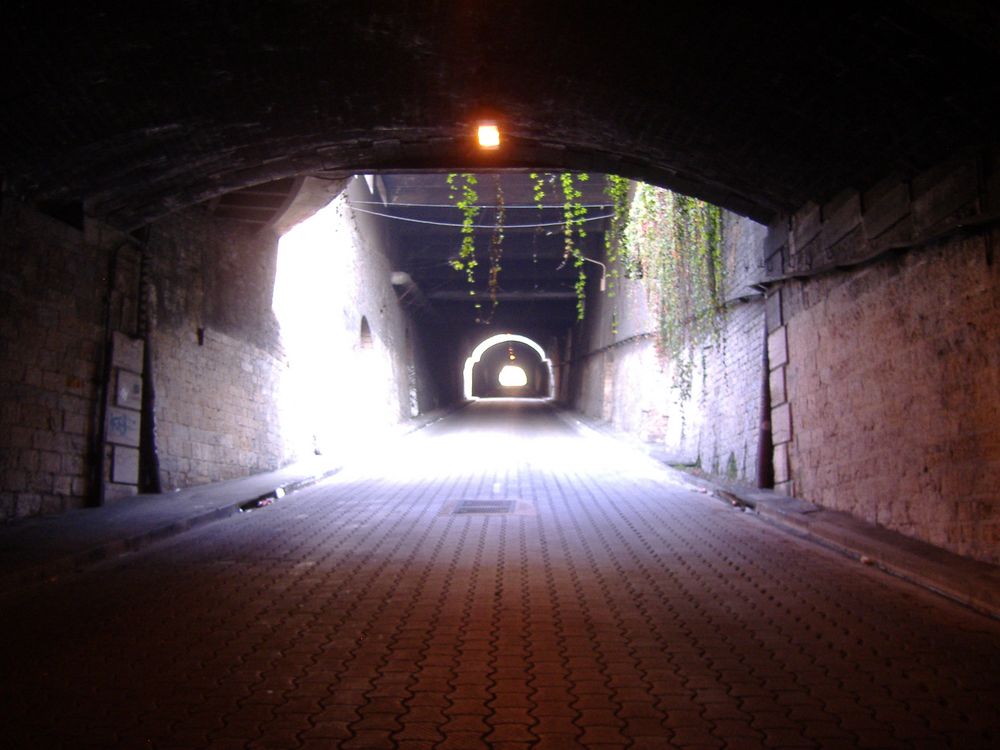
538 188
496 249
463 193
574 218
617 189
675 244
670 241
574 215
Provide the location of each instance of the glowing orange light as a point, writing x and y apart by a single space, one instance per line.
489 135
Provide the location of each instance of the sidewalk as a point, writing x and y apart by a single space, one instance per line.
48 547
969 582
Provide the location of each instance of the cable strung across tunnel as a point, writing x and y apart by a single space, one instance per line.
539 225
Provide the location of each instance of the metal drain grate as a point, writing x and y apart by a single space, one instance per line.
490 507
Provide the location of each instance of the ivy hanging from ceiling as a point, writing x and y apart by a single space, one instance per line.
673 243
496 252
463 194
563 186
567 187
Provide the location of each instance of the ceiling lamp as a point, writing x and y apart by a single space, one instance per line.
488 135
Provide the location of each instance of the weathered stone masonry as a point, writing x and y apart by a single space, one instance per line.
619 377
894 385
883 320
218 366
51 333
216 361
217 352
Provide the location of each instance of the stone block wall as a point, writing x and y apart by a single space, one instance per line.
52 285
240 390
727 406
893 383
227 401
883 323
217 415
882 314
217 357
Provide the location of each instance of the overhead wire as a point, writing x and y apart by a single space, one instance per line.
457 225
480 205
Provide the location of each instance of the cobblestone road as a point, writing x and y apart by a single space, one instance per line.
608 609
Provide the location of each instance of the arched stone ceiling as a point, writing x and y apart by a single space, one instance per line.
138 109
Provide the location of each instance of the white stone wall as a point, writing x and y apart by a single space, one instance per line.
894 389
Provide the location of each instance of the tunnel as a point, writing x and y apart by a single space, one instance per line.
668 417
528 371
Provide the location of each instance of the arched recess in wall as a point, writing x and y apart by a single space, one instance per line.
365 341
499 340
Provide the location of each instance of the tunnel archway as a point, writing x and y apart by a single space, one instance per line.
482 377
225 119
839 129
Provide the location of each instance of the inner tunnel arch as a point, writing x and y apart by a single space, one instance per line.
468 389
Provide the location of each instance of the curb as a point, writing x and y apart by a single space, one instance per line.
52 570
965 581
68 564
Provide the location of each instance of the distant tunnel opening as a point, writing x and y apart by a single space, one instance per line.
508 366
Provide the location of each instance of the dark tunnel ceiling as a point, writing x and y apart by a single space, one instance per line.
139 109
535 284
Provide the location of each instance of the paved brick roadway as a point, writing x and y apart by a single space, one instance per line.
611 609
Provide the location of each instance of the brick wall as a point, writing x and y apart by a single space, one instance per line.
240 391
217 415
52 286
619 377
894 389
217 358
728 404
227 395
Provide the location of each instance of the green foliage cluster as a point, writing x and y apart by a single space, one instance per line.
674 243
463 193
670 241
618 189
566 185
496 249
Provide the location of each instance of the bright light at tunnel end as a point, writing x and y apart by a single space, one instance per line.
512 376
504 338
